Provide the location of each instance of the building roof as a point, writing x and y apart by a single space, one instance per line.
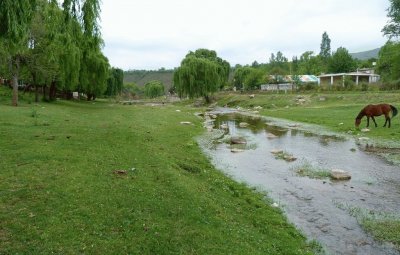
348 74
303 78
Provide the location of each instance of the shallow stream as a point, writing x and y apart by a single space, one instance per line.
324 210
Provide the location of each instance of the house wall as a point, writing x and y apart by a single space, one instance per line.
327 80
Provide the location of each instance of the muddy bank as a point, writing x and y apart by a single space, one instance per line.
321 208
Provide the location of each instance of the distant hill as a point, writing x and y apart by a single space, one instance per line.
141 77
365 55
166 76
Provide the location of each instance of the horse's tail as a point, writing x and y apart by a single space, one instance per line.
394 110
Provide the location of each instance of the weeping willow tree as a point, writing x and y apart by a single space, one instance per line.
154 89
15 19
201 73
94 74
115 81
86 65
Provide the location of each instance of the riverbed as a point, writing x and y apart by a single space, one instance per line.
324 210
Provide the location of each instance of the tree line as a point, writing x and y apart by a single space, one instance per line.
202 72
55 47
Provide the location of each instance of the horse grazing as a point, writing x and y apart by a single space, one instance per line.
372 110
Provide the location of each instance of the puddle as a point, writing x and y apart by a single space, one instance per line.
316 206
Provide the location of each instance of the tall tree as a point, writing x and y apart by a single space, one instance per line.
240 76
341 61
388 65
325 51
310 64
115 81
200 74
45 48
15 19
279 62
392 28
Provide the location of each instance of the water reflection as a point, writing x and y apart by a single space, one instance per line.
309 203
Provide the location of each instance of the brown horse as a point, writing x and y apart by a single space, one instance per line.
372 110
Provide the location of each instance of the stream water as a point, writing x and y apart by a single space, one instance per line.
324 210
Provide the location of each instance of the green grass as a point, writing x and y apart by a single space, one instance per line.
384 230
382 226
336 112
59 193
306 169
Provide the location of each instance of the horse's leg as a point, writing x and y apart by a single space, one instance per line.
374 121
387 120
367 121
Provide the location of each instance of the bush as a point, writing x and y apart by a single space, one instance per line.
349 84
364 86
308 86
391 85
154 89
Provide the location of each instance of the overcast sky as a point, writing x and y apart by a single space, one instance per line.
151 34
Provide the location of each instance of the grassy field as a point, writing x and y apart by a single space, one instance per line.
335 111
104 178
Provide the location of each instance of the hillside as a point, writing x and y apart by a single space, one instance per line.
141 77
365 55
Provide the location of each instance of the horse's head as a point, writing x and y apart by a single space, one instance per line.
357 122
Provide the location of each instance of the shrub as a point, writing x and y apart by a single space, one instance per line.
154 89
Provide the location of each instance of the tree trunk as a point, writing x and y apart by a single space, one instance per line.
14 67
44 91
15 90
207 98
36 93
52 92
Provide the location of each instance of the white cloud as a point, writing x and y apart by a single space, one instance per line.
152 34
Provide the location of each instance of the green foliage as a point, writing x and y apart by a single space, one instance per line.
278 62
254 79
115 81
53 47
388 65
141 77
201 73
132 89
93 73
310 64
277 74
15 18
154 89
248 78
341 62
325 51
392 29
240 75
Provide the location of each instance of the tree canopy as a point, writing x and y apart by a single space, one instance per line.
325 51
154 89
341 61
388 65
15 19
54 47
200 74
392 28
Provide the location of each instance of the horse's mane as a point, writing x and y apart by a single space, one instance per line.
360 115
